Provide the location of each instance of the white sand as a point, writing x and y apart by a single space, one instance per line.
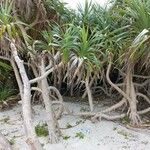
104 135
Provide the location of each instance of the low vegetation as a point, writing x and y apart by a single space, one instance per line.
41 130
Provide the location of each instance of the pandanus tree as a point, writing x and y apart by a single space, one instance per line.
87 52
137 14
13 37
78 48
9 39
129 92
83 49
133 48
140 14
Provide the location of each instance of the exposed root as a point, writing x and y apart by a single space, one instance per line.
101 116
53 138
102 89
60 99
90 85
135 118
144 97
114 107
115 86
129 95
89 93
114 117
36 89
64 107
139 76
142 84
144 111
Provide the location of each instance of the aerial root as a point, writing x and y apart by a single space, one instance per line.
144 97
144 111
53 138
114 107
135 118
101 115
60 99
64 109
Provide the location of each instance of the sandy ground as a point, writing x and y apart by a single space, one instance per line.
104 135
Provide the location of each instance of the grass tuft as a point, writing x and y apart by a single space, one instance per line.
41 130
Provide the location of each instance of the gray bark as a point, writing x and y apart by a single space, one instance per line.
32 139
50 117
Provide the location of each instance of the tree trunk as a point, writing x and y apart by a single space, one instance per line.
89 93
130 91
17 75
50 117
32 139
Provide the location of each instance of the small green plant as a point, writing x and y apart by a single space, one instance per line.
78 122
115 128
125 134
84 109
12 141
5 93
68 125
66 137
80 135
5 120
125 120
41 130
